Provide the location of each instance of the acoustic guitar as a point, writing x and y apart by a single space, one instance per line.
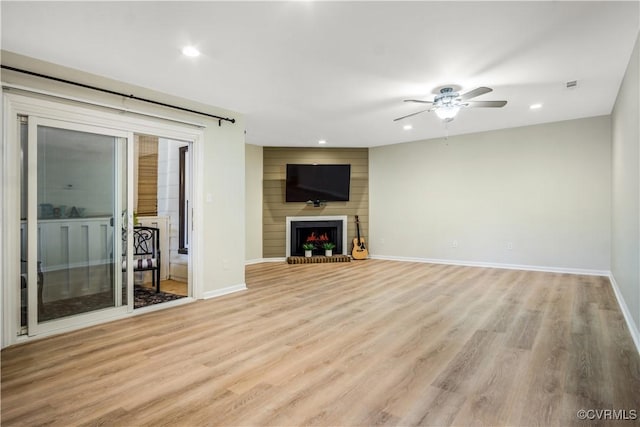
359 250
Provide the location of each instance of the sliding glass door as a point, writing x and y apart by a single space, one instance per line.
76 225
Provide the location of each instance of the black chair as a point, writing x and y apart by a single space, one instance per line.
146 253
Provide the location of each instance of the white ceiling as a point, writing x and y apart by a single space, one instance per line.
302 71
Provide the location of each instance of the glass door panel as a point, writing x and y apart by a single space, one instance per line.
77 223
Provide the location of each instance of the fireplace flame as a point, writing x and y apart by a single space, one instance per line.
312 238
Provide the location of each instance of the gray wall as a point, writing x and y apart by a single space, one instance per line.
253 168
531 196
625 249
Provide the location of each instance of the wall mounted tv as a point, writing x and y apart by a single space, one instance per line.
318 183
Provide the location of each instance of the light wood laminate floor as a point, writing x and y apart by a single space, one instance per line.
171 286
360 343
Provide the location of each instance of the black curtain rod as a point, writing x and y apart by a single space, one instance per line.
150 101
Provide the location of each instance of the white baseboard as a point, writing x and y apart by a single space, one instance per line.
580 271
261 260
633 329
224 291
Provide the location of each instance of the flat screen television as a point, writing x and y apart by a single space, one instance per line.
318 183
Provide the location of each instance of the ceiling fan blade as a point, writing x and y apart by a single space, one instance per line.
475 92
409 115
489 104
417 100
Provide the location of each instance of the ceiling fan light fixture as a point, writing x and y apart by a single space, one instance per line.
448 103
190 51
447 112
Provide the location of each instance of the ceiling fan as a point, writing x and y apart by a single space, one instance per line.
448 102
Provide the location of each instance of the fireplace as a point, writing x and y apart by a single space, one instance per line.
317 230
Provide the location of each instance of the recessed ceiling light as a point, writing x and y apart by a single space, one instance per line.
322 141
407 127
190 51
535 106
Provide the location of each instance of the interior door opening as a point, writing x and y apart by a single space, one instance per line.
161 186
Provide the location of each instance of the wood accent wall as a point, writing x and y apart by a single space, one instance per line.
275 209
147 149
